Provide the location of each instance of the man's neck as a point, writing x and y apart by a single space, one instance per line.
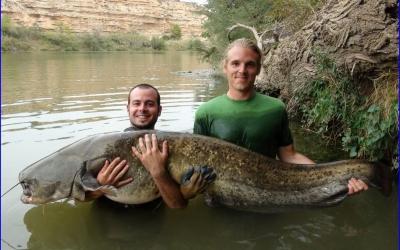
133 127
240 96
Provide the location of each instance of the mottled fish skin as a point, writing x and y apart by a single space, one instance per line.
245 180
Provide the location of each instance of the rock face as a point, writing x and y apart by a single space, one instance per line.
359 35
147 17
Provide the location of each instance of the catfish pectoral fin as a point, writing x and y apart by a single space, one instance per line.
108 190
89 183
333 193
335 199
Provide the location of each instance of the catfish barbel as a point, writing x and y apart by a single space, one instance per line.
244 180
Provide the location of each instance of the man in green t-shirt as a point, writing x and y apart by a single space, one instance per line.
249 119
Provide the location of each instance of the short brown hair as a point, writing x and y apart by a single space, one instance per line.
145 86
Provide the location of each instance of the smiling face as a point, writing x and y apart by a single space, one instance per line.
241 67
143 108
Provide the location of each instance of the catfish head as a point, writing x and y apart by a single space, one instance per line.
64 174
53 177
49 179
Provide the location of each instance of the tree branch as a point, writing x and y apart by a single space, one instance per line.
252 29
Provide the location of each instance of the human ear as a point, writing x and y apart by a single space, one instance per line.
224 64
159 110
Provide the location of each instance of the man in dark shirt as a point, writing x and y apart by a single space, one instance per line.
144 108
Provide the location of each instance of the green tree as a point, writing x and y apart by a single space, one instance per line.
176 32
157 43
222 14
260 14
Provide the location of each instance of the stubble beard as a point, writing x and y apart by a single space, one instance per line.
148 125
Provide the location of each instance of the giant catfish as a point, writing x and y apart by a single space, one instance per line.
244 180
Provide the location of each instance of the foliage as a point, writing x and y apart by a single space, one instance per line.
18 38
157 43
194 44
10 29
293 14
9 43
366 125
176 32
63 40
260 14
223 14
96 42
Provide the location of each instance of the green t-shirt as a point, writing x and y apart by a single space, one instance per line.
259 124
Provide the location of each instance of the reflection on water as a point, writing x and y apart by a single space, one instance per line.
50 100
67 226
100 225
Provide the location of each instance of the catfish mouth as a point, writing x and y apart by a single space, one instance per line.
35 193
26 196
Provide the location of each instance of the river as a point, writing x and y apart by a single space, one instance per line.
50 100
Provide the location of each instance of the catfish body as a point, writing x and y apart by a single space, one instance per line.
244 180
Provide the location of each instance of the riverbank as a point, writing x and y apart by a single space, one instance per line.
19 38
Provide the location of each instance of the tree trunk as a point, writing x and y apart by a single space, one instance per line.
359 35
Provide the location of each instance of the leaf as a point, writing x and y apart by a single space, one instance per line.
353 152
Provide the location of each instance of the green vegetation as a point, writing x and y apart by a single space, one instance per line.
193 44
17 38
176 32
157 43
260 14
362 117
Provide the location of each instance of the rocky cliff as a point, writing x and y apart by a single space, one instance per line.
147 17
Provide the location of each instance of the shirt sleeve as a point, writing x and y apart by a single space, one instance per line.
286 136
200 125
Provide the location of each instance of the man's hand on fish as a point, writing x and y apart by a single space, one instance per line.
196 184
155 161
150 155
356 186
196 180
112 173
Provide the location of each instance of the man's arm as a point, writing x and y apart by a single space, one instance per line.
200 126
288 154
155 162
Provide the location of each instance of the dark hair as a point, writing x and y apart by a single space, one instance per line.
145 86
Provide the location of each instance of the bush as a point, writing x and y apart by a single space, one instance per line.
62 41
157 43
9 43
10 29
17 38
366 125
176 32
97 42
195 44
